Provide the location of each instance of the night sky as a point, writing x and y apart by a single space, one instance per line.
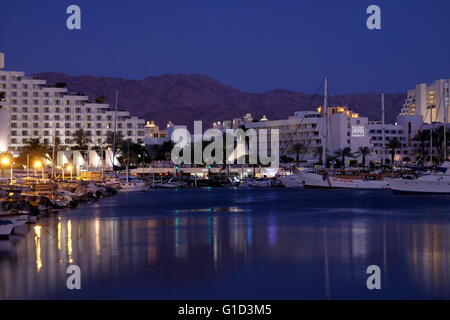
253 46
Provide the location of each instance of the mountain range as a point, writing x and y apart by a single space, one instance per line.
184 98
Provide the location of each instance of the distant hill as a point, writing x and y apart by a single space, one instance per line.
184 98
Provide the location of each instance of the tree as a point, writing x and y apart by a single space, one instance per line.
343 153
393 145
297 149
81 138
438 136
363 152
100 99
110 138
132 153
57 146
165 150
60 84
422 136
34 150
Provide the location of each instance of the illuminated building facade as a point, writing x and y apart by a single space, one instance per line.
431 101
31 109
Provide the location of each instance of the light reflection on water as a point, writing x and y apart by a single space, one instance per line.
138 246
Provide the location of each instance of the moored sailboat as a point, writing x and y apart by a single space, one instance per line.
435 183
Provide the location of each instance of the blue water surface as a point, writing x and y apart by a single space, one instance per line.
236 244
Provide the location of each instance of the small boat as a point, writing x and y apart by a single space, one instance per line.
291 181
434 183
263 182
6 228
133 185
171 183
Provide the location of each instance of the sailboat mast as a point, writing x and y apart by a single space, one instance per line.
382 128
54 150
431 136
325 122
445 119
115 127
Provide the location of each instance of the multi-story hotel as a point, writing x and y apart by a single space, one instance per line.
430 101
404 131
31 109
345 129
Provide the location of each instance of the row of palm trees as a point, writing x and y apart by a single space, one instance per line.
423 149
128 151
342 154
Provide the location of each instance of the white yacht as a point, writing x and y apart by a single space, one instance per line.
171 184
435 183
345 180
132 184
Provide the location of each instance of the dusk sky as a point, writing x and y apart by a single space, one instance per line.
253 46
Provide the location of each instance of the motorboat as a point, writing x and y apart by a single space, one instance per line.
291 181
437 182
263 182
133 185
171 183
345 179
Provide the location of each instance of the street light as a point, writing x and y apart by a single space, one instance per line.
69 167
37 165
62 168
6 161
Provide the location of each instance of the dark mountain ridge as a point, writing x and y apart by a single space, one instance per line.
184 98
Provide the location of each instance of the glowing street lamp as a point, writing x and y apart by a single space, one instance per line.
70 168
37 165
5 161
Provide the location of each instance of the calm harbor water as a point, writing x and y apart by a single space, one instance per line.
236 244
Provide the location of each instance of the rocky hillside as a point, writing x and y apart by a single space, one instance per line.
184 98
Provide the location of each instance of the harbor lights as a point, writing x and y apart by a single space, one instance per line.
61 168
6 161
70 168
38 164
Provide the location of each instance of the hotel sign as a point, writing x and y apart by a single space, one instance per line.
358 131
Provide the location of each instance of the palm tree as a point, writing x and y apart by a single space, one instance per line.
34 150
56 146
81 138
343 153
132 153
422 136
393 145
363 152
297 149
438 136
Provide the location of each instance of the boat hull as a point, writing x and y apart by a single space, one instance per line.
316 181
420 187
291 181
131 187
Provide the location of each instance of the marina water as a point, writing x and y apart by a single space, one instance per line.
230 243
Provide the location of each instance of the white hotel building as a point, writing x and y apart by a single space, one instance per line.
431 101
345 129
31 109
